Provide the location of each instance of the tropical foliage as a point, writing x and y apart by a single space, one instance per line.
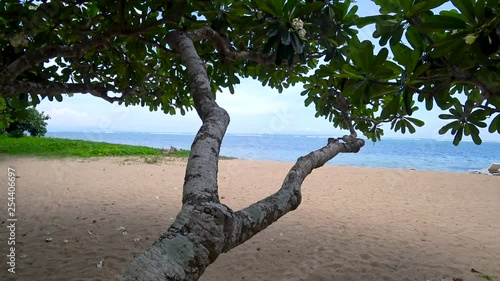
16 121
442 57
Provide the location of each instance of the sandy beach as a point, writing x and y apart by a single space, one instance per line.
353 223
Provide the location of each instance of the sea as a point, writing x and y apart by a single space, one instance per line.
418 154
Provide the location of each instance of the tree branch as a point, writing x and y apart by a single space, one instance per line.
198 234
27 61
155 44
260 215
201 232
223 46
53 89
466 77
201 173
343 106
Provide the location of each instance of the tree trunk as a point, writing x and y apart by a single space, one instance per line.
204 227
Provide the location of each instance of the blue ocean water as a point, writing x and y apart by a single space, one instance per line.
419 154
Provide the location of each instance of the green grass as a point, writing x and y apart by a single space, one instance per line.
54 147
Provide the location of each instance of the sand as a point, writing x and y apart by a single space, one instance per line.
353 224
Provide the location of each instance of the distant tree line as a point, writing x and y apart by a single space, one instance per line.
16 122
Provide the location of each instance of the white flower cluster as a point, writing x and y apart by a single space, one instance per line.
298 26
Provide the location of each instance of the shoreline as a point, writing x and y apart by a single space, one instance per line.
423 154
226 158
97 131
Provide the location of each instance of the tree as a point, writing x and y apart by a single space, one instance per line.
15 122
175 55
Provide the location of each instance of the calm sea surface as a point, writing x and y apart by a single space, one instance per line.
421 154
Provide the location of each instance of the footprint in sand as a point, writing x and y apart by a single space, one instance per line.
364 256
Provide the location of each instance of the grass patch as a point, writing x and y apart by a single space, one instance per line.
55 147
482 275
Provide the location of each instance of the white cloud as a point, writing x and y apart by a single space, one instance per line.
66 118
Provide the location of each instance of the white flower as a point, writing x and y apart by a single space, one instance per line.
302 34
469 39
297 24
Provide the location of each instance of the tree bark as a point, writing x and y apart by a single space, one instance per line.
204 227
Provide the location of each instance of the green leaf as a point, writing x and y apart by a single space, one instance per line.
410 127
476 138
417 122
362 55
352 72
381 56
308 100
408 100
274 8
406 56
286 38
398 125
444 50
273 29
495 125
447 116
424 6
397 34
440 22
468 129
361 22
467 8
92 10
415 38
391 108
297 44
479 9
311 8
458 136
448 126
351 13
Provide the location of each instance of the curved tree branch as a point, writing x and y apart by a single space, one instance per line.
197 236
201 232
260 215
201 172
223 46
54 89
29 60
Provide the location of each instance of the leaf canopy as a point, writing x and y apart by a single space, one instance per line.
120 51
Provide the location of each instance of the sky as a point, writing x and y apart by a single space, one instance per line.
254 109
